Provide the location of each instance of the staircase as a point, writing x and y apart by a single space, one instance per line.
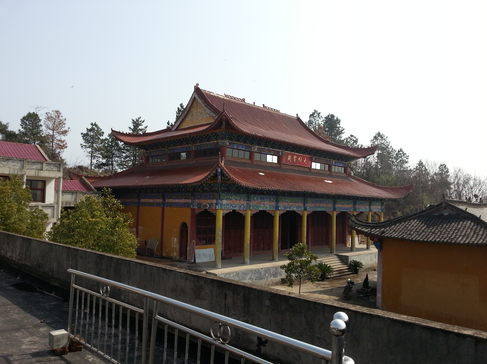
339 269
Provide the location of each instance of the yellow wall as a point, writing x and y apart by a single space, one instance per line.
197 115
132 210
150 224
439 282
173 218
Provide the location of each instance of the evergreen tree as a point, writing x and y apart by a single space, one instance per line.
328 127
8 135
441 182
332 127
93 142
97 223
112 155
15 214
133 154
301 265
179 111
384 157
352 141
31 131
315 119
315 123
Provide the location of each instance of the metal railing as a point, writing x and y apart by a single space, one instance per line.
133 333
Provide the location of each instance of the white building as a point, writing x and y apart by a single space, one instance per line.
43 177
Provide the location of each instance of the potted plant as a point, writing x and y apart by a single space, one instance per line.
355 265
325 269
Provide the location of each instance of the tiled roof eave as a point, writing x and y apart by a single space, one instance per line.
343 151
302 191
119 179
439 224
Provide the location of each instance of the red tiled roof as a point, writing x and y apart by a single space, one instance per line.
157 175
89 179
155 136
257 176
251 120
19 150
268 177
73 185
264 123
70 185
442 223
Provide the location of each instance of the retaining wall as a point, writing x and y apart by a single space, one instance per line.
374 336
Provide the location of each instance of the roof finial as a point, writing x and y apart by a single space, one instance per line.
196 86
224 105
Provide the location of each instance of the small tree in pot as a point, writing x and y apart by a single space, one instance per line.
325 269
355 265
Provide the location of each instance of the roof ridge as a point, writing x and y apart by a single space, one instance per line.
242 100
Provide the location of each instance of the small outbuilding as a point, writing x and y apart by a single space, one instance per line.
431 265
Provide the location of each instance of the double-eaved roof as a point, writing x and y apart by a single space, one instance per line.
443 223
217 111
208 112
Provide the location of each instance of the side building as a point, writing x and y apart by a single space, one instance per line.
236 179
44 177
40 174
431 265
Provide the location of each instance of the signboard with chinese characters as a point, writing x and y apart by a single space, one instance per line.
297 159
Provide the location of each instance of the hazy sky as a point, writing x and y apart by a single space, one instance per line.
414 70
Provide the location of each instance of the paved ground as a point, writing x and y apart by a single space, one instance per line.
27 316
333 288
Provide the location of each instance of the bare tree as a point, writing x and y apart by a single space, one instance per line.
467 187
56 131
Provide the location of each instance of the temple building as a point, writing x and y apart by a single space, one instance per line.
232 178
431 264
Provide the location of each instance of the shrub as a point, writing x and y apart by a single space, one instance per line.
16 216
325 269
97 223
355 265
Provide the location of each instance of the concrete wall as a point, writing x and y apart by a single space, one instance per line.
368 257
374 336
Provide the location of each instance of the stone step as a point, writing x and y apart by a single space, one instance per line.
339 268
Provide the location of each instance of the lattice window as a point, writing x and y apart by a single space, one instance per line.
205 227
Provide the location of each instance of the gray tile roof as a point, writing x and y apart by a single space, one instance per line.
442 223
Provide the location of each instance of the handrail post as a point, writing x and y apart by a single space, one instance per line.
153 334
145 318
338 329
71 299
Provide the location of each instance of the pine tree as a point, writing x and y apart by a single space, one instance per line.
93 142
112 155
31 130
134 154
